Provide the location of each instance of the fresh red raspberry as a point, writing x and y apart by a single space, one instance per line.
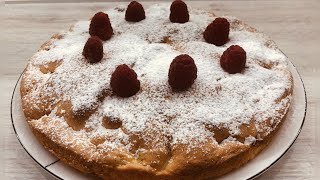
93 50
233 60
182 72
124 82
217 32
100 26
179 12
135 12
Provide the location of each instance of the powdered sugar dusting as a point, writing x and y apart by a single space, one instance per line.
215 98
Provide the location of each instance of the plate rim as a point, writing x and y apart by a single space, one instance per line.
15 132
252 177
300 128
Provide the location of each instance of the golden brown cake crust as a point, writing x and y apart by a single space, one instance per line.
76 160
78 125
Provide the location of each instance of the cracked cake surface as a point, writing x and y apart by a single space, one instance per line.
219 123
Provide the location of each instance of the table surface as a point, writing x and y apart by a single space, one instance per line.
293 24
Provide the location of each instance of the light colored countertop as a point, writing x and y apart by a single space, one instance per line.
293 24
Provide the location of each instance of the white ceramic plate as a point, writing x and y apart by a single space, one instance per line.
283 140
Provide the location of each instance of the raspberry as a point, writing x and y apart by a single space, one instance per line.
93 50
179 12
233 60
135 12
124 82
217 32
182 72
100 26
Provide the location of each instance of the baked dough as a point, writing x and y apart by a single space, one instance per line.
217 125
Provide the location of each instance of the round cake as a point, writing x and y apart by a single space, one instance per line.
166 92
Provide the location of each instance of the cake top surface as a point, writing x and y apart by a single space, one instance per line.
216 98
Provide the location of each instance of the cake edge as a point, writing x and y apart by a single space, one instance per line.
77 161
